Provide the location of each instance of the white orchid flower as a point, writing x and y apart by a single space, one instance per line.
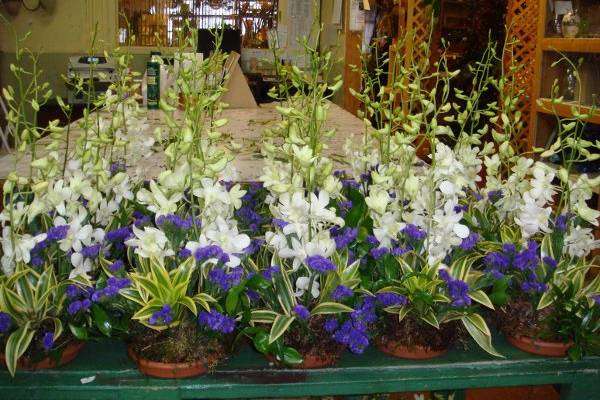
158 201
378 200
302 284
226 235
18 250
150 242
580 242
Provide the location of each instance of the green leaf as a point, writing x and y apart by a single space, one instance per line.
102 320
261 341
203 299
189 303
482 298
280 325
329 307
263 316
16 345
80 332
232 300
291 356
477 321
546 299
431 319
484 341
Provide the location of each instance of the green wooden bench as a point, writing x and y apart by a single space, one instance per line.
248 375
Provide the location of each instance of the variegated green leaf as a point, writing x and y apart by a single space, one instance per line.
16 345
482 298
280 325
329 307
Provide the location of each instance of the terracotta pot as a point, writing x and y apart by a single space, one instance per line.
168 370
312 361
397 350
540 347
69 353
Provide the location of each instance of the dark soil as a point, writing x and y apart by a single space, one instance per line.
177 345
520 317
411 333
315 341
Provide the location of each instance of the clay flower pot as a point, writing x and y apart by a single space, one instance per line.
168 370
540 347
397 350
312 361
69 353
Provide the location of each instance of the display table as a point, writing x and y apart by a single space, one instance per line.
245 126
248 375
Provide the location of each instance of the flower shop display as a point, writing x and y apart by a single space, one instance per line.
412 254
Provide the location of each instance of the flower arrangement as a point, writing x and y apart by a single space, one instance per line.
411 254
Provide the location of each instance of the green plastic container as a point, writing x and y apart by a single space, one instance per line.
153 89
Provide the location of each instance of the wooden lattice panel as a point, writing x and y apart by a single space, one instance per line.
522 21
419 22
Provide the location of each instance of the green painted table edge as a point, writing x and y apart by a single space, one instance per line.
248 375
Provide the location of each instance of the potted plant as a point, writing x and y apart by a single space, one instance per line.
297 325
33 315
168 339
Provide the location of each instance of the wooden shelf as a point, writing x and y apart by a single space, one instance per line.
576 45
564 109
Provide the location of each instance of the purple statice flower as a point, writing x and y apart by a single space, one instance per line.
252 295
495 195
372 240
5 322
509 249
91 251
279 223
117 265
330 325
399 250
354 331
74 307
116 167
140 219
48 340
40 246
477 196
302 312
470 241
344 238
496 260
461 208
113 285
457 289
414 232
162 316
532 284
216 321
344 206
211 251
185 253
596 299
341 292
549 261
225 280
73 291
388 299
561 223
57 233
339 173
379 252
254 246
118 235
527 259
269 272
36 261
320 264
250 217
174 220
351 183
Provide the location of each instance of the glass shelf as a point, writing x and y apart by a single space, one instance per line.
584 24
